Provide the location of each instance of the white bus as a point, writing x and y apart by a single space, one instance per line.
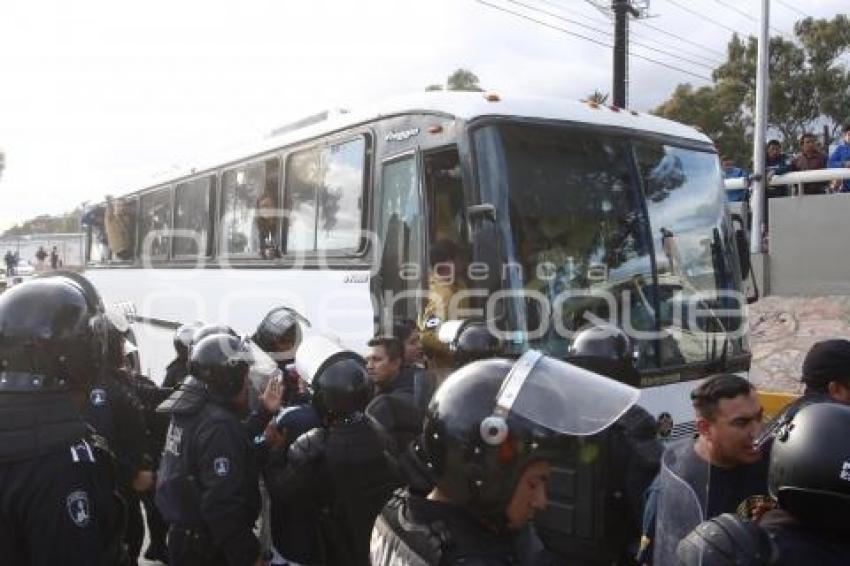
564 213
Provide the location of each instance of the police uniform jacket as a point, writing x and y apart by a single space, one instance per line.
208 479
414 531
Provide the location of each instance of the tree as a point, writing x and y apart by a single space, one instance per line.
809 88
460 80
598 97
47 224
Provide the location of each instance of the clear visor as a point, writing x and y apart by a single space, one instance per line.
118 320
284 316
562 397
263 367
316 352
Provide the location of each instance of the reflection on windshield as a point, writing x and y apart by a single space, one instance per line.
685 206
571 202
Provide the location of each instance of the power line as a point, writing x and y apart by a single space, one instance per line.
703 18
608 33
561 7
794 9
591 40
678 37
749 16
715 62
634 34
598 7
562 18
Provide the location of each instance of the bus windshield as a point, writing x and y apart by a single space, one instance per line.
597 228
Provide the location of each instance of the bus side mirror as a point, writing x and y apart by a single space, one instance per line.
483 210
743 245
742 242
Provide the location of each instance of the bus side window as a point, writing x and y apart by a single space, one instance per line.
192 206
92 220
251 211
446 215
324 196
445 196
155 227
400 234
120 223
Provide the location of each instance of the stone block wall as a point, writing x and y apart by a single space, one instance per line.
782 329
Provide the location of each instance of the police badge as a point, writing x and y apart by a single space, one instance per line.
78 508
221 466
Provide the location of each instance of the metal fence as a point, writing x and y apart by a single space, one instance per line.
69 247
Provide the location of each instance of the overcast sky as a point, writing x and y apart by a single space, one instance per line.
96 94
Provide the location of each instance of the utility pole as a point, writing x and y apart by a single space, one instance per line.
622 9
759 185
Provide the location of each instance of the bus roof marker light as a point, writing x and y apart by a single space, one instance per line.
492 97
435 129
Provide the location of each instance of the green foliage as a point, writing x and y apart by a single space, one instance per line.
46 224
460 80
598 97
809 87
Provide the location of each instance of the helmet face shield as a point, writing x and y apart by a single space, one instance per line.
263 367
561 397
317 352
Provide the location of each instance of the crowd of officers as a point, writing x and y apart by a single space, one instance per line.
286 448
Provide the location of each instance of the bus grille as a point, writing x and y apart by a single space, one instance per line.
683 430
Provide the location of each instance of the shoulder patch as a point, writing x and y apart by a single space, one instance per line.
97 397
221 466
845 471
78 507
81 452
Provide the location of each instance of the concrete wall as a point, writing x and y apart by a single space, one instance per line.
809 246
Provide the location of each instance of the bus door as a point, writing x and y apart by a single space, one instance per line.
400 237
423 233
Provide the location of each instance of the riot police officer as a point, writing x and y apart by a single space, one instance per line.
116 412
492 429
339 467
178 368
279 334
55 477
810 481
207 487
626 458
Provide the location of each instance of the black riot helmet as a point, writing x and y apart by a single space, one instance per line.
473 342
603 341
607 350
183 337
336 376
208 330
222 362
341 390
490 419
810 466
53 334
117 333
281 325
